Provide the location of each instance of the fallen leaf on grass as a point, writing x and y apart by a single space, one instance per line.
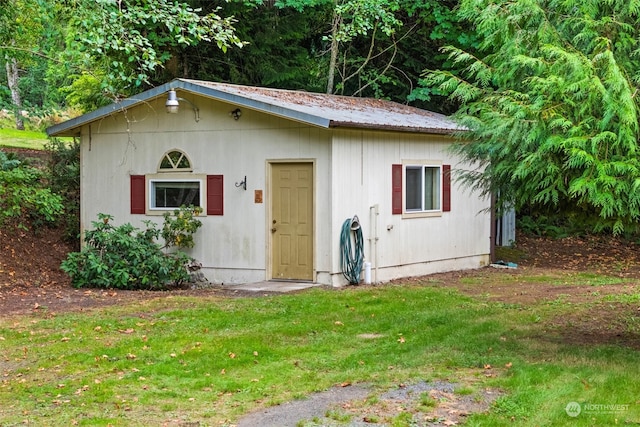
80 390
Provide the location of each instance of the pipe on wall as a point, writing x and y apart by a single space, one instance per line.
373 240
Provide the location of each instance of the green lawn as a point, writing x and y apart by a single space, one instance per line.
22 138
209 360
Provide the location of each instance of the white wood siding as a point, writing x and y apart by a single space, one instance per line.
232 247
352 176
361 168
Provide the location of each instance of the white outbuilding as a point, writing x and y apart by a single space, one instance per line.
278 173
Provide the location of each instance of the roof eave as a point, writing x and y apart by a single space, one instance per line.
72 127
409 129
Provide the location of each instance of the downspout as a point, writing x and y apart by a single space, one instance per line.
373 240
492 231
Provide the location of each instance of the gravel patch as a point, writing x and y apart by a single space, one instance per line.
315 406
452 408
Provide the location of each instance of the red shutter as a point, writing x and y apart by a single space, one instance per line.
138 199
396 189
215 199
446 188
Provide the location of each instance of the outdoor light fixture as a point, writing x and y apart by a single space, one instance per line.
173 104
236 113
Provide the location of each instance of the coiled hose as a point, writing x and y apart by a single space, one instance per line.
351 258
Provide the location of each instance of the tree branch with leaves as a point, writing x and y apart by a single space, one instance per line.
131 39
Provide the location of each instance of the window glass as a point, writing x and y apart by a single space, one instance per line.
413 199
431 188
175 161
166 163
173 194
422 188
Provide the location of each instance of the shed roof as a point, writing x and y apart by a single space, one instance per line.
323 110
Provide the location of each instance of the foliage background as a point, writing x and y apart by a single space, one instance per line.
547 88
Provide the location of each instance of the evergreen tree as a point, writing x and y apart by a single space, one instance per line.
551 106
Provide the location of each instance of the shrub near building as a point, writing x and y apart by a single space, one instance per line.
126 257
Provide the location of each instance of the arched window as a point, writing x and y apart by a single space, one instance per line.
170 191
175 161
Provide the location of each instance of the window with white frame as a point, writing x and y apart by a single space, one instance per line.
171 194
422 188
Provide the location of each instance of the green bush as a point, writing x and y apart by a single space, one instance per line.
63 171
179 231
8 161
126 257
24 196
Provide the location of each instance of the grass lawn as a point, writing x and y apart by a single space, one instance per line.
208 361
22 138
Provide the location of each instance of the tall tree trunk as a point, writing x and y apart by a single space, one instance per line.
335 25
13 78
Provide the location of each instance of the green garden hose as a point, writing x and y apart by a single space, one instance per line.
351 258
